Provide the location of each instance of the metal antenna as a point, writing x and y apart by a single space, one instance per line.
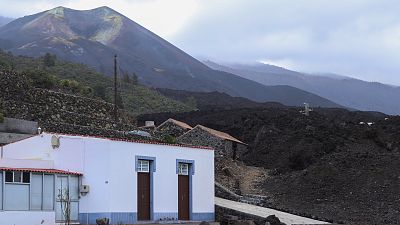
306 110
115 89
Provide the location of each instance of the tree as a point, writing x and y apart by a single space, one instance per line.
4 65
126 78
41 79
130 79
191 101
100 91
169 139
120 103
49 60
65 201
134 79
1 113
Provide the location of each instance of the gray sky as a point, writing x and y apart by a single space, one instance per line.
357 38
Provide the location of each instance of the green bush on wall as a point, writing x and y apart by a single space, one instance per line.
1 112
170 139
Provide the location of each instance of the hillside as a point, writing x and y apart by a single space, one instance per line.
214 100
346 91
92 37
327 165
81 80
4 20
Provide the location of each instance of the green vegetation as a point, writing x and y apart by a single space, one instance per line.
51 73
170 139
1 112
191 101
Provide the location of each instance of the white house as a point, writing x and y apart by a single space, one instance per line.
125 181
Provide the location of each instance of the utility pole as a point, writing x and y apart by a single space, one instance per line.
115 89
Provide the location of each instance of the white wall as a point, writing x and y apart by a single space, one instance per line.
165 186
26 218
27 163
96 174
70 156
109 168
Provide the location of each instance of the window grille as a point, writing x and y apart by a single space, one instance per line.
183 169
143 166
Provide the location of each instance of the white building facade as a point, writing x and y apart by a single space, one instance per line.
126 182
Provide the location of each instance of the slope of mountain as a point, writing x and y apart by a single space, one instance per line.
349 92
78 79
93 37
4 20
214 100
327 165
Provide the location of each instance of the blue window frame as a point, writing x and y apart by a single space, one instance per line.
152 161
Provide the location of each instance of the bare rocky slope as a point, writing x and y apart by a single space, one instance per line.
214 100
327 165
92 37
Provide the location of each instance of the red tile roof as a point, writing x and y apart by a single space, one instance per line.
36 170
136 141
219 134
178 123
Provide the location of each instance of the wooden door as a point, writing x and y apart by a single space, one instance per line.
143 196
183 197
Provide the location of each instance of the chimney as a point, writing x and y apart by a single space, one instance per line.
149 124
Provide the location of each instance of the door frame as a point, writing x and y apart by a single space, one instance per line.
56 177
152 169
191 173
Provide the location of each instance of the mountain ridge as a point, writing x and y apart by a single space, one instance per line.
5 20
346 91
93 37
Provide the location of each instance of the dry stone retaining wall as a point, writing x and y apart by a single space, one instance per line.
169 128
22 101
199 137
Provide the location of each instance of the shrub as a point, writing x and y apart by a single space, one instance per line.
1 112
170 139
41 79
49 60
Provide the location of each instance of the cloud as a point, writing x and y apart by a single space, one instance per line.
359 38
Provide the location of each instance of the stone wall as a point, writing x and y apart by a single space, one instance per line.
227 216
223 148
11 125
169 128
199 137
65 128
22 101
223 192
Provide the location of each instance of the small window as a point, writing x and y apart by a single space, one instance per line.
143 166
183 169
18 177
26 178
9 176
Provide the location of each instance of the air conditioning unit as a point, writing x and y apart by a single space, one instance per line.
84 189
